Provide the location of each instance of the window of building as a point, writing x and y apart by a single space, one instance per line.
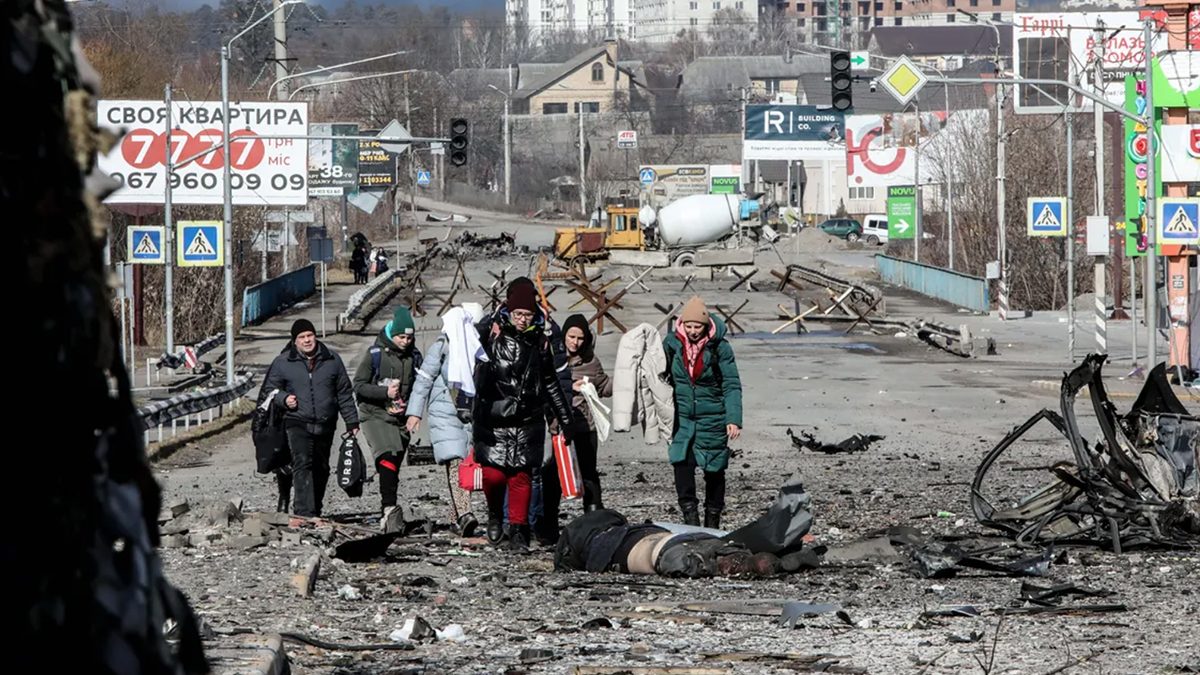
820 9
587 106
862 193
898 6
996 16
800 7
879 21
693 6
739 5
995 3
899 21
822 25
597 72
771 85
950 18
879 7
864 22
554 108
692 21
864 7
845 7
974 3
800 22
717 4
951 3
845 21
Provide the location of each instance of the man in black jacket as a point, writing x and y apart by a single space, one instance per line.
313 387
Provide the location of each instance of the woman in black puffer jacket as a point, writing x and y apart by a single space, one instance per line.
514 386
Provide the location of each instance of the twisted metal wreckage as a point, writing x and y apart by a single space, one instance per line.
1136 487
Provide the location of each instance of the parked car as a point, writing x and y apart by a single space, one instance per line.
844 228
875 229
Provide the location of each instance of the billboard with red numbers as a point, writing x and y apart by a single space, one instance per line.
266 171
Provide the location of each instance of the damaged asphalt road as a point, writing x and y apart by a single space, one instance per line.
941 415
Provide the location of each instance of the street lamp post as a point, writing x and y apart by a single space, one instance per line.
228 186
507 146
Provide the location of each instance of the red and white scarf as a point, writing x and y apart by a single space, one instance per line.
693 359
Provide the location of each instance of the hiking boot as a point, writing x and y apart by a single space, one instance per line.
690 513
392 520
518 540
712 519
467 524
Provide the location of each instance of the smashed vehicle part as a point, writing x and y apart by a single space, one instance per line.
1136 487
855 443
953 341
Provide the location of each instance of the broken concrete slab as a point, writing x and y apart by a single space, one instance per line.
306 580
246 542
878 550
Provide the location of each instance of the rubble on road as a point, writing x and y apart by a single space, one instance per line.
1136 486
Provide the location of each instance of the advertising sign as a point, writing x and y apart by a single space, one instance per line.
902 212
673 181
874 158
265 171
793 132
333 165
1059 46
376 166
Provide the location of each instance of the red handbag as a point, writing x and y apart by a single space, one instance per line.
470 473
568 467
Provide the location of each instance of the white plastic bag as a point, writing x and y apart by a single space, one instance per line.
600 412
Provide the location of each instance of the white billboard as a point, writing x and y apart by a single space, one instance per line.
875 156
1063 45
266 171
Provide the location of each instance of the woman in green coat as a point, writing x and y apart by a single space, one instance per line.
383 383
708 409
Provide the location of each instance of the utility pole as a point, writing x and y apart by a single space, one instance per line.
280 50
1002 244
285 229
412 151
168 231
507 155
1070 243
917 185
582 193
227 212
1101 261
1150 287
745 178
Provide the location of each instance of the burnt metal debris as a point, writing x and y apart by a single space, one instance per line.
856 443
1135 487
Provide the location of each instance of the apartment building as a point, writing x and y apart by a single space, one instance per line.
848 23
610 18
662 21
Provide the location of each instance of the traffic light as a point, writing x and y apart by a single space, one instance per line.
840 81
458 141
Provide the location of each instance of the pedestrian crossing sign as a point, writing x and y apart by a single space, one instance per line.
1046 217
199 243
1178 221
146 245
424 177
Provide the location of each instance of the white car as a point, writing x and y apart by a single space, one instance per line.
875 229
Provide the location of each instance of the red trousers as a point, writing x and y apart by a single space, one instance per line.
517 484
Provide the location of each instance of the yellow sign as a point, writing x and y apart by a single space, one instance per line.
903 80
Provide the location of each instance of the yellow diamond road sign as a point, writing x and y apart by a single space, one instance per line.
903 80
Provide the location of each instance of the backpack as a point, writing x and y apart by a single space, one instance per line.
352 468
377 358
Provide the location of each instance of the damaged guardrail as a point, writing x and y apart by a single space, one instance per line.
190 356
158 413
1136 486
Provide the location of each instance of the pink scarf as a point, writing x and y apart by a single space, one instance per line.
693 361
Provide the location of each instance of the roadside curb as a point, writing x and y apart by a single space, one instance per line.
256 655
1183 393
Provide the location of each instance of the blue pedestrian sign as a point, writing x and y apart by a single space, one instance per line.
424 178
1046 217
146 245
199 243
647 176
1178 221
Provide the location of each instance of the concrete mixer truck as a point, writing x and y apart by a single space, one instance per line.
689 231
